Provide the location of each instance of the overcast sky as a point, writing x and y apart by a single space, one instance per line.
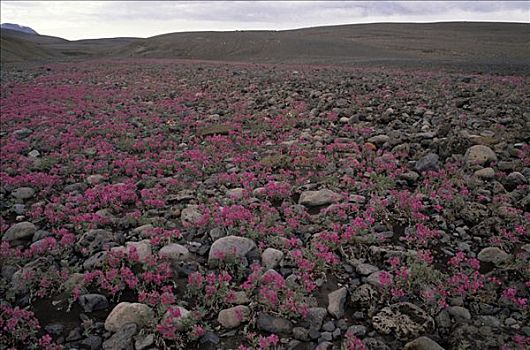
97 19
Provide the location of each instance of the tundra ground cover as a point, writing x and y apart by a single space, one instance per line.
153 204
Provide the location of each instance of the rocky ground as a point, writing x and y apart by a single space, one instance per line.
171 204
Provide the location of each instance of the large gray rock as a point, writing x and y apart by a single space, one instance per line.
274 324
426 163
479 155
485 173
271 258
318 198
493 255
405 320
336 302
126 312
230 246
175 252
22 230
23 193
379 139
234 316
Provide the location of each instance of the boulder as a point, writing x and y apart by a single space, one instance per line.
230 247
126 312
318 198
19 231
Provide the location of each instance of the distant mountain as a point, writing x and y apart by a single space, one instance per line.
18 28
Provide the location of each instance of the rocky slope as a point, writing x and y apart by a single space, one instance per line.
464 46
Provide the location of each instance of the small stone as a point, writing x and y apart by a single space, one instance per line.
22 230
126 312
216 233
357 330
513 180
19 209
314 334
94 241
479 155
175 252
143 230
95 179
144 341
190 215
379 139
22 133
459 312
271 258
489 321
443 320
56 329
240 298
485 174
142 248
337 333
328 326
493 255
210 338
366 269
93 302
274 324
427 163
325 345
315 318
235 193
375 278
92 342
318 198
122 339
34 153
23 193
422 343
230 247
301 333
337 301
410 176
325 336
234 316
95 261
180 323
364 296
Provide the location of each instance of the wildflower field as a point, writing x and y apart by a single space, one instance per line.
171 204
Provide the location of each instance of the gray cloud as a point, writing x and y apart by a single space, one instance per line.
146 18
